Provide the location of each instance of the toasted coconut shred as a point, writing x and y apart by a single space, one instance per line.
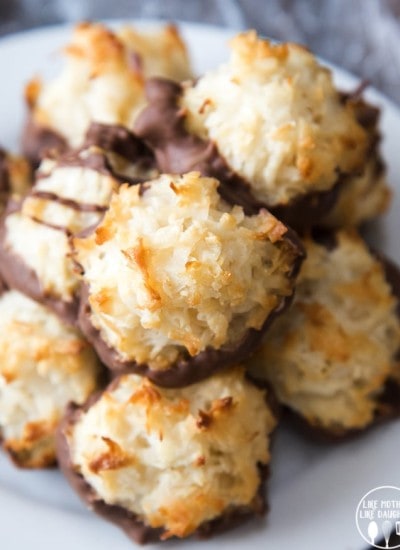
175 458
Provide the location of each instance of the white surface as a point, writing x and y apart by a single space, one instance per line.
314 490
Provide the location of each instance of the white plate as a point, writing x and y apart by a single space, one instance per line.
314 489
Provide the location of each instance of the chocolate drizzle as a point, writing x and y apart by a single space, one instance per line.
79 206
18 275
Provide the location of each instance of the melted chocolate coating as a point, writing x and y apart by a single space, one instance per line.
186 370
129 522
119 140
38 140
367 115
306 211
98 162
325 237
162 127
3 287
4 173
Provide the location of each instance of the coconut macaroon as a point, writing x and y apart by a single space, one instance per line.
43 365
333 355
102 81
269 121
71 194
165 463
177 282
15 177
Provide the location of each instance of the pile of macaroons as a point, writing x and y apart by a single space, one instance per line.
181 262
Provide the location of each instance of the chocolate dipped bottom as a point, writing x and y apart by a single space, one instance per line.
187 370
388 400
381 400
177 363
134 525
162 126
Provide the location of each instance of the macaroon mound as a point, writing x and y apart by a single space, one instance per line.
71 193
270 120
164 463
102 81
333 356
15 177
178 282
297 134
44 364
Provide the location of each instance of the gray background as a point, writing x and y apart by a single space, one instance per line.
360 35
